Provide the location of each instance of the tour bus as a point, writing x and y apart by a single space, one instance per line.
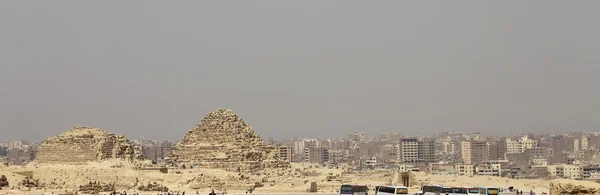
390 190
459 191
436 190
354 189
488 191
474 191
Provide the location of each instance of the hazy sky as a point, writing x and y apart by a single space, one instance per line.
299 68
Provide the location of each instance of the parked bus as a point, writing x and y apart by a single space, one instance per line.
474 191
432 189
447 190
391 190
354 189
459 191
488 191
436 190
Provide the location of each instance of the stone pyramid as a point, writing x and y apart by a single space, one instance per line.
84 144
223 140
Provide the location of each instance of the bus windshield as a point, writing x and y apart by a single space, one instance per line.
459 191
473 191
346 190
351 189
401 191
446 190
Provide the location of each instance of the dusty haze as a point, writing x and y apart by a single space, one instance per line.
302 68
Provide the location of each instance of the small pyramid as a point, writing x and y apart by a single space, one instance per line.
84 144
222 140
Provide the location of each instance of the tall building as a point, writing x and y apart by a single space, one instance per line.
418 151
479 151
317 155
449 146
513 146
357 137
580 144
465 148
410 150
285 153
426 152
474 151
497 150
301 145
337 156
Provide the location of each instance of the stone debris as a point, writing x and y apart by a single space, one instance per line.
222 140
153 187
96 187
84 144
572 189
34 183
3 181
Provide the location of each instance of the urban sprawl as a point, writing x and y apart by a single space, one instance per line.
527 156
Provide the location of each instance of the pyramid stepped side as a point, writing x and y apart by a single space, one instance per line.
84 144
223 140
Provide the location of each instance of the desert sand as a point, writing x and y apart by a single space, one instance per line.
68 179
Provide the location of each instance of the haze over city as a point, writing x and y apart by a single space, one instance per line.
303 68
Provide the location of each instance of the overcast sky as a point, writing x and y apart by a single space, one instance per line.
153 69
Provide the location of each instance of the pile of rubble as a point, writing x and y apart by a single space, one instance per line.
30 183
222 140
84 144
557 188
3 181
96 187
153 187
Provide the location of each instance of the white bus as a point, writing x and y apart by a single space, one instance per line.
391 190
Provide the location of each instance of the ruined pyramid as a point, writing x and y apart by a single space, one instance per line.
84 144
223 140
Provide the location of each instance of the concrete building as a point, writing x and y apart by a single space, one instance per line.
474 152
16 145
301 145
426 151
418 151
389 153
449 146
497 150
479 151
285 152
442 169
465 148
338 156
580 144
356 137
410 150
565 171
513 146
464 169
316 155
371 162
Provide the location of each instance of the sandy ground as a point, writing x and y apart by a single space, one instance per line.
68 178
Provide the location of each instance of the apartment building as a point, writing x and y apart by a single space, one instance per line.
316 155
301 145
338 156
285 152
418 151
474 151
565 171
464 169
